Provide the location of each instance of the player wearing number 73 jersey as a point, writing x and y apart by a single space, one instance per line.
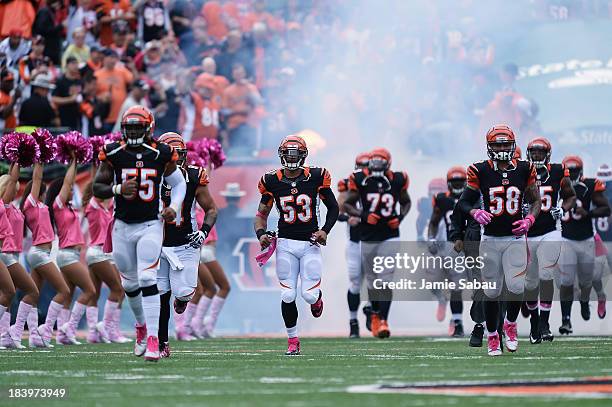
295 190
504 183
132 172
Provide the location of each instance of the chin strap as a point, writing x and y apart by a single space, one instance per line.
377 174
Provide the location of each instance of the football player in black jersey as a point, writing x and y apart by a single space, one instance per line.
132 171
295 190
178 270
353 252
504 183
443 204
578 248
378 190
603 250
544 238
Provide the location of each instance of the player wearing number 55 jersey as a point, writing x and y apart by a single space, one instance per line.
132 171
544 238
378 190
504 184
295 190
578 249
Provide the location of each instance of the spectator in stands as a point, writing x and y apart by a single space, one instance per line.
216 27
93 109
239 107
200 45
9 97
153 20
112 82
110 11
17 15
137 96
200 111
182 13
167 120
93 63
261 15
234 52
209 67
84 16
78 49
67 95
35 62
37 110
49 23
149 60
14 47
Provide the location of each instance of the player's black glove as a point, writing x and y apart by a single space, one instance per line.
197 238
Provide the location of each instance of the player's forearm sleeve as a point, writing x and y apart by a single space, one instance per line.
458 224
332 209
468 198
178 188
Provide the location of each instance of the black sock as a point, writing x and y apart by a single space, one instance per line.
585 293
353 301
477 308
164 316
456 303
566 293
547 290
384 307
290 313
513 306
491 311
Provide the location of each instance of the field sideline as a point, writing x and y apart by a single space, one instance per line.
254 372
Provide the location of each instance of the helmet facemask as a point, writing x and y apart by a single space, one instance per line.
135 134
502 151
575 174
457 185
378 165
292 158
182 154
538 156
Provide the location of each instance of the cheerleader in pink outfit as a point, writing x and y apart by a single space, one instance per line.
11 248
7 288
99 214
42 267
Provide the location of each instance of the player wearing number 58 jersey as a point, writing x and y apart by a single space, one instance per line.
295 190
504 183
578 248
132 171
544 238
378 189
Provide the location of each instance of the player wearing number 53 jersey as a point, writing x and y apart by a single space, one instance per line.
504 184
295 191
578 249
378 190
544 238
132 172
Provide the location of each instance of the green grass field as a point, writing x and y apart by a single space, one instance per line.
254 372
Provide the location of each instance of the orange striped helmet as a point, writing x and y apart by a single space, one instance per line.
380 160
362 160
538 151
574 165
175 140
137 125
292 152
501 143
456 179
436 186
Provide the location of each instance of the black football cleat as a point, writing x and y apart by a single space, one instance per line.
585 310
180 306
354 324
458 330
534 333
566 327
545 333
367 311
476 336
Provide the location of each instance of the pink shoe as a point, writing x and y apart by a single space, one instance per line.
45 333
9 342
36 340
164 350
184 334
102 333
293 346
66 335
441 311
93 337
511 336
317 307
152 353
494 345
601 307
140 347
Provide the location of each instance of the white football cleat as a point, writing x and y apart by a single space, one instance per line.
140 347
494 345
511 336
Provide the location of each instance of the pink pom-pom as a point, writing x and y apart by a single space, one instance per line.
46 143
113 137
216 153
194 158
21 148
73 141
97 142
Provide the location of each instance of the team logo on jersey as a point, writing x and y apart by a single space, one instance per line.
294 191
505 181
139 164
250 276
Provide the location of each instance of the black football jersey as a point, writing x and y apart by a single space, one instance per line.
148 166
296 199
446 202
152 20
354 231
178 235
576 227
502 192
379 195
549 185
603 225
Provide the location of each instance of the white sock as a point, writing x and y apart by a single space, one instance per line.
2 311
151 306
78 310
22 315
215 309
5 322
136 307
292 332
189 311
353 314
33 320
457 317
52 314
91 314
201 310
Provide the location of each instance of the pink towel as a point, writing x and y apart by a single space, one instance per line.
263 256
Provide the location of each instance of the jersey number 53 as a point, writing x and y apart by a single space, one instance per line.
296 207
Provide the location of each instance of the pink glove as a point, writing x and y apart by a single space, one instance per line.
483 217
523 225
263 256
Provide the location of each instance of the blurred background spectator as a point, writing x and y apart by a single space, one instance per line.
37 110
